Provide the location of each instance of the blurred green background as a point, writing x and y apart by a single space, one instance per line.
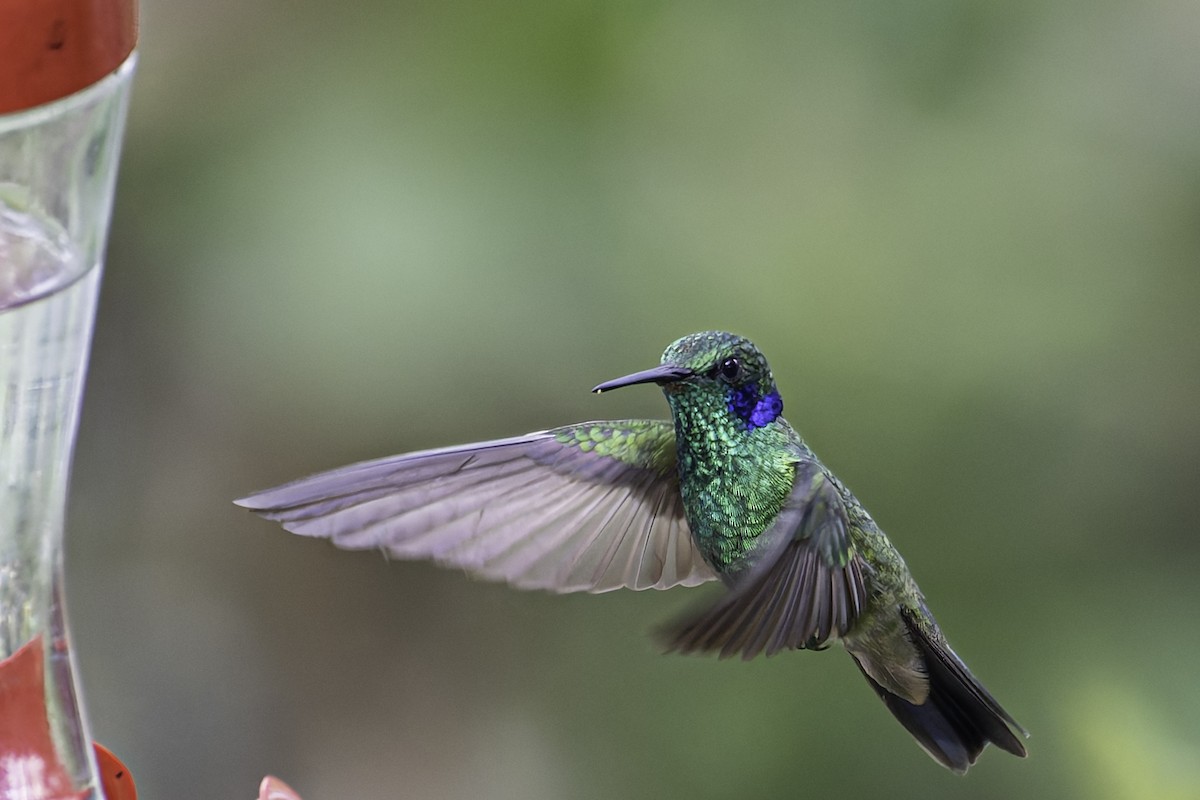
967 235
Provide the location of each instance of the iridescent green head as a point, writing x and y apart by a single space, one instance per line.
715 364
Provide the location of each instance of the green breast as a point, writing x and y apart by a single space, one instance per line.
734 482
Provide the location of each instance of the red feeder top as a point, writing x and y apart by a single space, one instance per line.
52 48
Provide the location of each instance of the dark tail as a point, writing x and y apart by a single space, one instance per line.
959 717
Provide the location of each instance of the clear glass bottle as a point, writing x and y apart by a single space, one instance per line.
65 70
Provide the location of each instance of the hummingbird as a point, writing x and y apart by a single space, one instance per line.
725 490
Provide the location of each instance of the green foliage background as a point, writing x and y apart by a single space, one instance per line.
967 235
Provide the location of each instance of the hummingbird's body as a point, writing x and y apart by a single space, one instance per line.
727 489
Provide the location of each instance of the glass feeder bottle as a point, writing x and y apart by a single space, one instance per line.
65 71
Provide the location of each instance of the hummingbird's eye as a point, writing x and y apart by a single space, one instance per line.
730 370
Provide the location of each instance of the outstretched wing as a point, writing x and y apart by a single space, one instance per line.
590 507
806 588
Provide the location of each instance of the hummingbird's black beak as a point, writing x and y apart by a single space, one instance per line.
664 373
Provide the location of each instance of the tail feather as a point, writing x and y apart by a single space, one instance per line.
959 717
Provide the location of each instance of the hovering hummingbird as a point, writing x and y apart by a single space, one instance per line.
727 489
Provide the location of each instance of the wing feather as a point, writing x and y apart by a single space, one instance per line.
806 588
591 507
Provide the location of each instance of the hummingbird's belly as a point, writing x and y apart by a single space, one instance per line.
725 525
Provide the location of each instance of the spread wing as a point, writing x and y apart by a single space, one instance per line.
806 588
590 507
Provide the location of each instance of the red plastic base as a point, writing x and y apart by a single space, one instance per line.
29 765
